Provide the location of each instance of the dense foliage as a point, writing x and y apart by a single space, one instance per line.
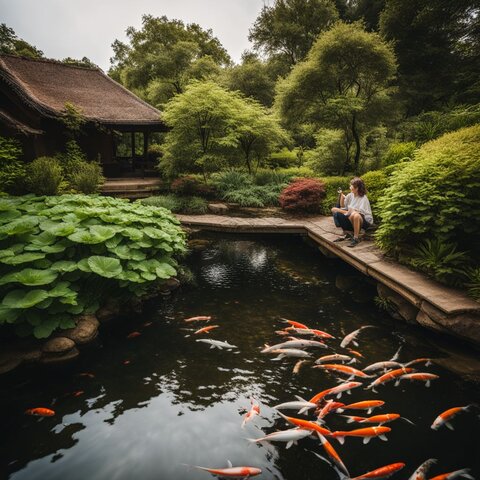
12 168
60 256
436 196
178 204
304 195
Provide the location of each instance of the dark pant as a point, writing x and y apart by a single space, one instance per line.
343 222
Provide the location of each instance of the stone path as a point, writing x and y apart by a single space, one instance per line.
436 306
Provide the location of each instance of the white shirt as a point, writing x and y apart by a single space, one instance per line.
360 204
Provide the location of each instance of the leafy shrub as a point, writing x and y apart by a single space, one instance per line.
473 283
60 256
254 195
328 156
376 181
154 152
72 160
332 184
296 172
88 178
170 202
304 194
44 176
265 176
440 260
229 180
399 152
194 205
12 168
283 159
190 185
435 196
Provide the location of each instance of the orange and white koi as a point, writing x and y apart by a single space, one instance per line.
421 471
333 454
199 318
368 405
40 412
293 323
338 390
389 376
301 404
255 410
444 417
321 333
336 357
464 472
355 352
353 372
351 337
427 361
78 393
298 366
133 335
290 436
232 472
205 329
380 419
382 472
330 406
382 366
366 433
421 376
306 424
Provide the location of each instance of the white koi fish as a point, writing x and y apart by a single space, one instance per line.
382 366
290 352
290 436
217 344
255 410
421 471
231 471
301 343
336 357
350 338
301 405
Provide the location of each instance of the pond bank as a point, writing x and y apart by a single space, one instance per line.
416 298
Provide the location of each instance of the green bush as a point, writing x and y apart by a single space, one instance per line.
332 184
473 283
376 181
435 196
296 172
191 185
229 180
266 176
170 202
154 152
194 205
12 168
399 152
72 160
88 178
44 176
62 256
283 159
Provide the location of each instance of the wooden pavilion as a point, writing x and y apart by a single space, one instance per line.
118 124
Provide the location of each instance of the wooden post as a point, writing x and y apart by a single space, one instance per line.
145 151
133 149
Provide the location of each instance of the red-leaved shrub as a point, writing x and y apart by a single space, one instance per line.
189 185
303 195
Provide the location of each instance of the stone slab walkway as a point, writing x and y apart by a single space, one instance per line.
366 257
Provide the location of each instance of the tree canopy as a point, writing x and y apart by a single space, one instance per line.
11 44
344 83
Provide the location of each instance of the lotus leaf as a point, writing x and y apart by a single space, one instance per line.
60 229
24 298
148 276
30 277
8 315
114 241
84 266
67 322
64 266
131 276
122 251
165 271
61 289
75 309
105 266
132 233
44 304
42 239
85 236
22 258
46 328
8 215
6 253
20 225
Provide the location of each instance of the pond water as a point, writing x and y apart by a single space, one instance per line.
150 406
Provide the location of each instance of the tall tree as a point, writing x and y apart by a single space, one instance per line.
343 84
168 53
10 43
436 43
290 27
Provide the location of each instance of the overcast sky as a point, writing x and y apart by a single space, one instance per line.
78 28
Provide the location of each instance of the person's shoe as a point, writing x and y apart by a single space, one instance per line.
353 242
342 238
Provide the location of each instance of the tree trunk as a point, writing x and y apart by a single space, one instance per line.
357 143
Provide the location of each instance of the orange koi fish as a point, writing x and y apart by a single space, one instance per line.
389 376
205 329
298 365
40 412
255 410
86 374
366 433
330 406
353 372
295 324
306 424
333 454
232 472
444 417
355 352
427 361
380 419
77 393
382 472
339 389
368 405
464 472
336 357
421 376
133 335
199 318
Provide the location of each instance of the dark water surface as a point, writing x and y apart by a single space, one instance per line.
163 400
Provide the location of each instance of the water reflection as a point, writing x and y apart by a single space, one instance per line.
162 400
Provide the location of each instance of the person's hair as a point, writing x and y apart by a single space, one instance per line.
360 184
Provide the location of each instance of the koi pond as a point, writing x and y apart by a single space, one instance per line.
152 406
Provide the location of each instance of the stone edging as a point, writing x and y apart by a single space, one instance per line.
432 305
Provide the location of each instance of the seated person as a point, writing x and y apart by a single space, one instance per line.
354 212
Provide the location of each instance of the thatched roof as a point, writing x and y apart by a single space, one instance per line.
46 85
10 122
